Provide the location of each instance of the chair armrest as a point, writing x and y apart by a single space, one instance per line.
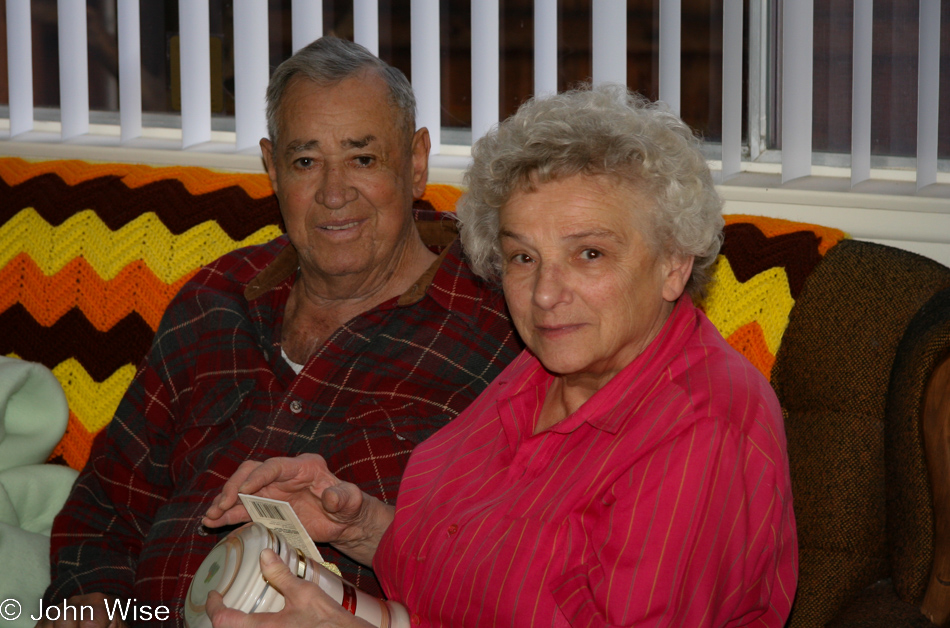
879 607
936 432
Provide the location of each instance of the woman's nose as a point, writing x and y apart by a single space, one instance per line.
551 287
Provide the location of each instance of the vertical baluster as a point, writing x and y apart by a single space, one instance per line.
928 92
545 46
195 68
130 70
73 68
609 26
306 19
20 66
366 24
485 67
797 70
426 78
731 88
670 53
251 72
861 92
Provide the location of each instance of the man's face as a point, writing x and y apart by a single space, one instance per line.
345 175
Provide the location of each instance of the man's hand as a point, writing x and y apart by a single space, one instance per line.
332 511
100 618
306 604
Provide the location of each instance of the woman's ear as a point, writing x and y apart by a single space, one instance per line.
677 271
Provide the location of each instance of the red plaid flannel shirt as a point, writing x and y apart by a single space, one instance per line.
214 391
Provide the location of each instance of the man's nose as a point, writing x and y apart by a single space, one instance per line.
551 286
336 190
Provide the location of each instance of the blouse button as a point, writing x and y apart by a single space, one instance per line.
415 619
453 529
296 406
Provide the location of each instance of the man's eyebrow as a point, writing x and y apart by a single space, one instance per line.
296 147
362 142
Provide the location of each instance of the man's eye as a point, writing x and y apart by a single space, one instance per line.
590 254
304 162
364 161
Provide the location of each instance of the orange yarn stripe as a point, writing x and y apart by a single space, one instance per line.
104 303
196 180
771 227
443 197
749 340
75 445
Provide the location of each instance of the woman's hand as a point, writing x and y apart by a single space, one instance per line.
332 511
306 604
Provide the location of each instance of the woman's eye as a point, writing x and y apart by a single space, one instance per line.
521 258
589 254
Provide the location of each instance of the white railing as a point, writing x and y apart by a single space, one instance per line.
608 18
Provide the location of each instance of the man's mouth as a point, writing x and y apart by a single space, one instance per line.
348 225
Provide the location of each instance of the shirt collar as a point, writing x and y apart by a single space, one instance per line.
609 408
434 228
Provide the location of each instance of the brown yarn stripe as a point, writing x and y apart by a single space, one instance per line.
73 336
750 252
117 205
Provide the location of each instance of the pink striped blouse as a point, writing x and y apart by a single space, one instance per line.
665 500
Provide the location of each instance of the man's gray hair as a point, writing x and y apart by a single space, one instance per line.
604 130
329 60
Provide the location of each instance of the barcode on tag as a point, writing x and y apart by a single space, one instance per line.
269 511
280 517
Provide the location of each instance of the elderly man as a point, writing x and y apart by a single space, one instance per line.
356 335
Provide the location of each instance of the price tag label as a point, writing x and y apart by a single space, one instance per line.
280 517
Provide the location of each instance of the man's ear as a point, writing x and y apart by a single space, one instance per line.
267 152
677 269
421 144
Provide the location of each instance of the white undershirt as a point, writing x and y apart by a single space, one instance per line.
296 367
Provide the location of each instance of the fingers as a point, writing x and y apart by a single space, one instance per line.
223 617
228 498
277 574
216 517
344 501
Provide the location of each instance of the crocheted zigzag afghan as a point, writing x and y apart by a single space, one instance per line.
759 274
91 254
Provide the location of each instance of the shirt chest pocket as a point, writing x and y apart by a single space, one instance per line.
213 422
404 421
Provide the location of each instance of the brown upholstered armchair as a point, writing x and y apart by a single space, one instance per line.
863 375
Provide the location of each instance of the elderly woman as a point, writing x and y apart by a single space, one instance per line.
629 468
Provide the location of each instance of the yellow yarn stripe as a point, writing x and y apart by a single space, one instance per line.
168 256
94 404
765 298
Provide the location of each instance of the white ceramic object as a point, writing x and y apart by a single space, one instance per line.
233 569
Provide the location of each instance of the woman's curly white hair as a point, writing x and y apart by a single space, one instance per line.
603 130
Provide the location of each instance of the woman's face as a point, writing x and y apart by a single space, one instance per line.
586 291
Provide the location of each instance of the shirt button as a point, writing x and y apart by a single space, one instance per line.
415 619
453 529
296 406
